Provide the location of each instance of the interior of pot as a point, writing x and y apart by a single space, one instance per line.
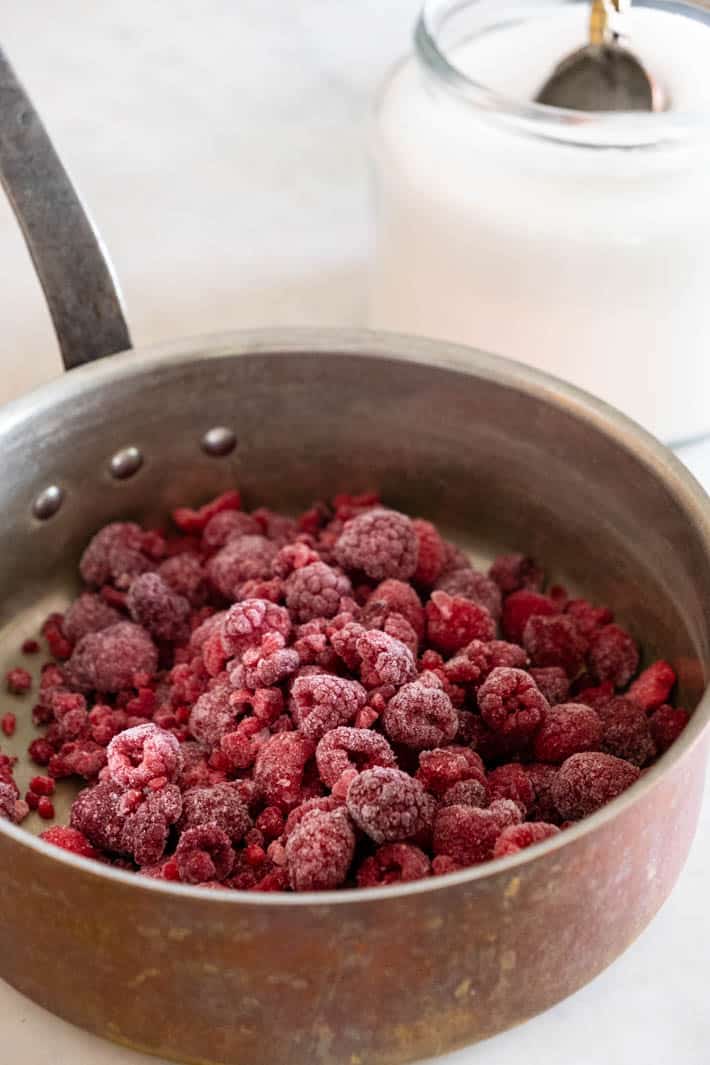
498 456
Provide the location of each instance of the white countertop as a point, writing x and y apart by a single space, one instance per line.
221 148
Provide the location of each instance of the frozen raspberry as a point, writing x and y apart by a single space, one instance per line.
279 768
555 641
516 838
205 630
106 661
667 723
97 566
8 724
542 777
511 781
431 553
388 805
519 607
315 591
53 632
220 805
588 618
228 525
212 716
466 793
652 688
247 558
277 527
452 623
70 840
553 682
344 643
468 584
18 681
586 782
468 834
271 590
511 703
152 604
473 663
204 854
293 557
627 733
613 656
271 822
393 863
95 813
381 543
399 628
384 660
568 728
323 702
83 758
442 768
393 597
266 665
247 623
513 572
595 696
185 576
319 851
192 521
89 613
420 716
146 830
11 808
323 802
344 749
142 754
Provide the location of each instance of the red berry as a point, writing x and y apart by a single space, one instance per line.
106 661
69 840
453 623
517 837
319 851
18 681
45 808
343 749
30 647
467 834
431 553
389 805
194 521
8 724
627 733
553 682
511 703
315 591
42 786
153 604
667 723
393 863
279 768
511 782
440 769
652 687
384 660
473 663
568 729
88 613
324 702
420 715
613 656
519 607
204 854
555 641
512 572
468 584
586 782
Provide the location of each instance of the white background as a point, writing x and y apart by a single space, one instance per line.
221 146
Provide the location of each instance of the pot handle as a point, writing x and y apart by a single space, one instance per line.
71 263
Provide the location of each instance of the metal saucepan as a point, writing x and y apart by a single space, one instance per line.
502 457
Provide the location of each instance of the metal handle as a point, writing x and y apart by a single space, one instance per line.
72 265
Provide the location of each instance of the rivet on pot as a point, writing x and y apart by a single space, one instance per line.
125 463
219 441
48 502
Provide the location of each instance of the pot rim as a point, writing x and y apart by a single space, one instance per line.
334 342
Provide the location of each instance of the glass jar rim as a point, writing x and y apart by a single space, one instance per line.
591 129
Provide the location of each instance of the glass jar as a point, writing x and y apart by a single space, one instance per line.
577 242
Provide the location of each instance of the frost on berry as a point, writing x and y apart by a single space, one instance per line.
247 623
142 754
344 749
69 840
473 663
393 863
613 656
542 777
586 782
519 607
453 622
204 854
627 733
469 584
212 716
315 591
228 525
96 814
667 723
431 553
588 618
511 703
443 767
652 687
11 808
420 716
279 768
555 641
384 660
147 828
388 805
472 792
153 604
220 805
247 558
319 851
553 682
393 597
511 781
184 575
18 681
106 661
568 728
381 543
516 838
323 702
88 613
512 572
468 834
107 553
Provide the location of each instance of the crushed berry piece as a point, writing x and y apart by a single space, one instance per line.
516 838
568 728
627 733
228 525
453 622
42 786
555 641
388 805
511 703
8 724
586 782
30 647
204 854
519 607
70 840
441 864
88 613
220 805
468 834
381 543
32 800
139 755
613 655
588 618
384 660
279 768
393 863
553 682
431 553
59 646
511 781
194 521
513 572
393 597
440 769
420 716
40 751
346 749
469 584
247 623
247 558
18 681
315 591
652 687
323 702
319 851
473 663
667 723
45 808
270 822
106 661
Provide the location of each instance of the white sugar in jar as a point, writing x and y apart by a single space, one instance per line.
577 243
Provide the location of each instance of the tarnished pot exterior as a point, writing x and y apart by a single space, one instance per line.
503 456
